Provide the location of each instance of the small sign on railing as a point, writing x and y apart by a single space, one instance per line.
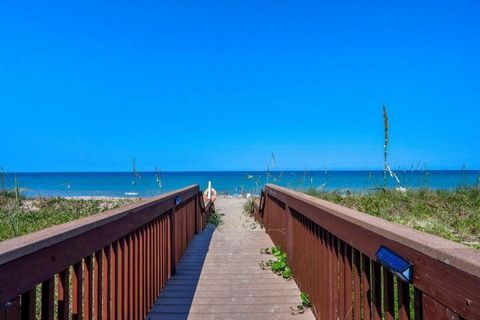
178 200
396 264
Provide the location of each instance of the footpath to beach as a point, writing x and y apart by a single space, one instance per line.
219 275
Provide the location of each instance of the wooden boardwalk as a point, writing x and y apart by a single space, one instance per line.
219 278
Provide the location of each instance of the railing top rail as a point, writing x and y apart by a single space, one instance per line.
447 272
30 243
334 217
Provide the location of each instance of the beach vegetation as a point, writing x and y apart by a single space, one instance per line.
215 218
20 215
158 179
248 207
304 305
450 214
385 145
279 264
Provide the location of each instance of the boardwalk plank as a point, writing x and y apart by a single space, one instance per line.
219 277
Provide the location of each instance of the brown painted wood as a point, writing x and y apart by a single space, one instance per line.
148 297
146 262
131 272
366 287
135 274
348 282
357 279
87 287
103 282
432 309
432 256
48 296
388 295
334 263
341 279
29 304
13 310
224 286
403 300
63 294
126 271
119 279
96 298
377 291
111 282
328 275
141 265
77 291
58 247
158 254
418 304
173 242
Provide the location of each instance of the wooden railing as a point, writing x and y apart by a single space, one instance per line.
111 265
331 250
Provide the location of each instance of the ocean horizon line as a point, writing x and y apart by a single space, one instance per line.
246 171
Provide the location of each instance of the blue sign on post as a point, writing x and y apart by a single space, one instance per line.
396 264
178 200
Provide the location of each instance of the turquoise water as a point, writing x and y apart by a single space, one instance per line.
122 184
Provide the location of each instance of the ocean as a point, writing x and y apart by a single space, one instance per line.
147 184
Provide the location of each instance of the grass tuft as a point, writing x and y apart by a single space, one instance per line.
215 218
26 215
453 215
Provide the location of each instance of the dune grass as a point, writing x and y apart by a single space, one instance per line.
23 216
453 215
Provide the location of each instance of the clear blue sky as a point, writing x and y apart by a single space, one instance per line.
205 85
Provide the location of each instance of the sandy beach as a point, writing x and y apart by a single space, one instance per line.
233 217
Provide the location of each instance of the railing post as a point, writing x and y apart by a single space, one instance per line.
173 245
197 214
290 235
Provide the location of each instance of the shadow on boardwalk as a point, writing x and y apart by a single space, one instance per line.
219 278
176 298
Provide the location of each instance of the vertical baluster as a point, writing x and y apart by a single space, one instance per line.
172 243
366 288
152 265
323 310
131 272
102 303
357 278
126 271
156 242
119 280
377 291
87 283
141 264
95 286
29 304
63 294
136 271
153 259
77 291
341 278
112 284
348 289
417 296
48 296
334 263
403 300
388 295
147 266
162 252
328 274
